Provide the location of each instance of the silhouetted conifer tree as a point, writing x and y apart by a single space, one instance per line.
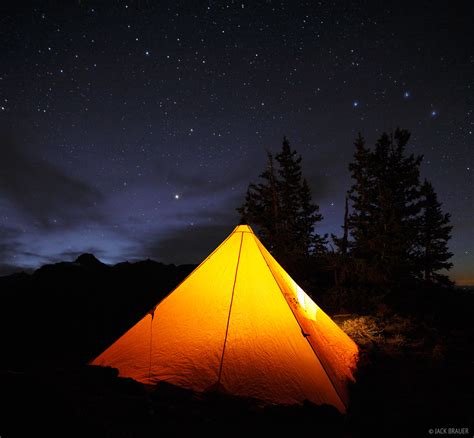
281 209
262 207
435 232
385 197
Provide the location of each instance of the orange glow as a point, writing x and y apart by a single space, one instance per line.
238 322
336 351
465 282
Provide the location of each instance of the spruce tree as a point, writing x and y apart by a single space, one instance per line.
360 195
386 207
309 215
261 207
289 186
435 232
281 209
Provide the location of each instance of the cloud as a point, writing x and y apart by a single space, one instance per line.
187 245
194 180
193 226
8 242
320 186
327 177
10 245
14 257
190 228
7 269
189 234
42 193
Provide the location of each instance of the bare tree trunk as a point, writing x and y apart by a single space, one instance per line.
345 237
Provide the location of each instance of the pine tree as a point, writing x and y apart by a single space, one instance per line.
435 233
360 195
281 209
386 207
306 220
261 207
289 185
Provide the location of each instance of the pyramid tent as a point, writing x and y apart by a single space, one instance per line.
240 324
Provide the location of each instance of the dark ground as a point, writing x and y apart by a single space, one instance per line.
413 375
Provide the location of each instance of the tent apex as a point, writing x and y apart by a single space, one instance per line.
243 229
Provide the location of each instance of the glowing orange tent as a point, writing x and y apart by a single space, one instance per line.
240 324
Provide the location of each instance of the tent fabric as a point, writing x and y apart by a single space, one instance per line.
240 324
336 351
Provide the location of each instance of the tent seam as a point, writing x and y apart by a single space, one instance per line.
230 311
299 325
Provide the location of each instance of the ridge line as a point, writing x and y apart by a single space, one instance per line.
152 309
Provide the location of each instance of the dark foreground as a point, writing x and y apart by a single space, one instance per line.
415 377
404 396
93 402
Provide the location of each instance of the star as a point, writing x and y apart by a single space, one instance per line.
207 104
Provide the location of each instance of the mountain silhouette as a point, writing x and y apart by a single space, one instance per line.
88 260
67 312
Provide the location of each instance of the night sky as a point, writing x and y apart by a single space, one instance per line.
132 129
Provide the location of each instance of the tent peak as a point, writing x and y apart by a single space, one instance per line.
242 229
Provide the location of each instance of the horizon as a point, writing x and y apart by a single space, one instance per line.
74 259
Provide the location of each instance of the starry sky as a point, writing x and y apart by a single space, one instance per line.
132 129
